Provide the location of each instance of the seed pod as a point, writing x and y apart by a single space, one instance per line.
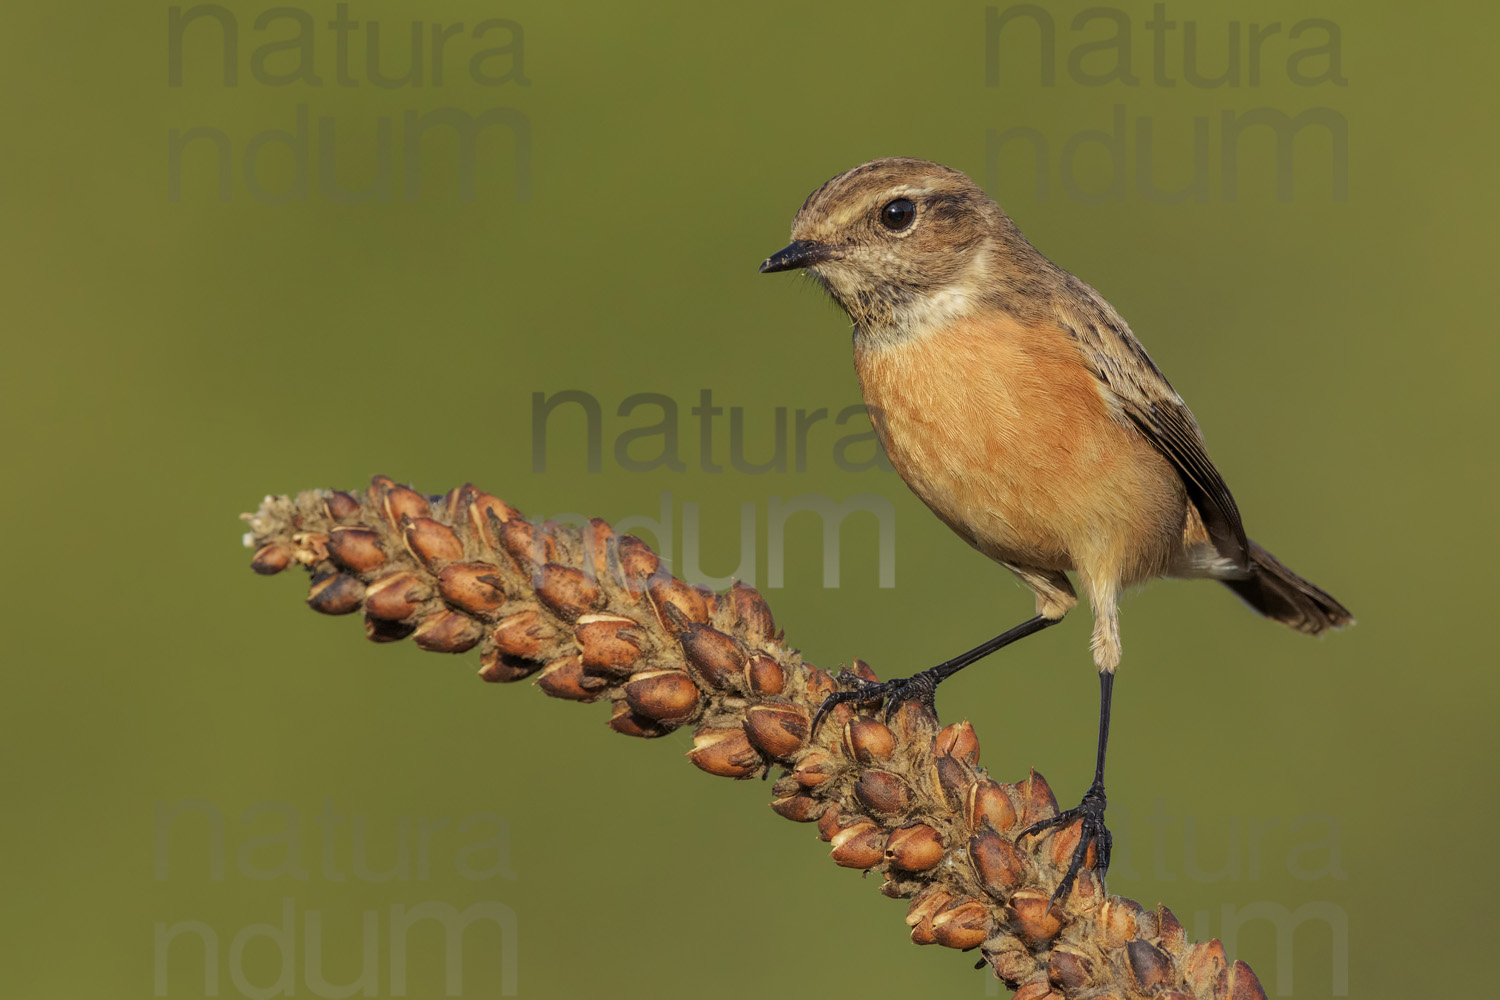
815 768
999 865
716 658
751 611
959 742
1168 928
485 516
270 559
309 548
567 591
340 506
1150 967
637 562
610 643
1069 968
913 723
338 594
448 632
819 684
526 549
524 634
395 597
861 845
1243 985
1035 919
867 741
1037 989
380 630
799 808
668 591
1116 922
631 723
777 730
400 502
1037 801
986 802
1011 959
564 678
915 848
764 675
663 695
882 792
725 752
356 549
472 586
502 668
1206 968
953 778
963 924
919 917
432 542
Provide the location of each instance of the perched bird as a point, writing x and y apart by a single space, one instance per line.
1016 403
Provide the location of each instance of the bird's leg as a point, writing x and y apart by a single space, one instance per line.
1091 809
922 687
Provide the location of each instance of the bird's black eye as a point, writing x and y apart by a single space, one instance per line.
897 215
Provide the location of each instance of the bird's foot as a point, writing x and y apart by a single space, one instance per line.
1094 832
920 688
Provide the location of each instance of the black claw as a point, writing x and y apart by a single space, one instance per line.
921 688
1091 811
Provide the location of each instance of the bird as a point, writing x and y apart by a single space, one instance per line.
1019 406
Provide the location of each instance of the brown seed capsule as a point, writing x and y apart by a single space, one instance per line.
502 668
1243 985
861 845
475 587
1150 967
882 792
356 549
1169 930
986 802
913 723
336 595
448 632
1206 968
485 516
380 630
799 808
725 752
716 658
309 548
777 730
999 865
1116 922
432 542
751 611
631 723
637 562
1037 989
668 591
915 848
663 695
867 741
819 684
395 597
1012 960
610 644
526 548
1038 802
270 559
919 917
963 924
456 503
815 768
829 824
567 591
524 634
959 742
954 778
1036 920
764 675
401 501
564 678
340 506
1069 968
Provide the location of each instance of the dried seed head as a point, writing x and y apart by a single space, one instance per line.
777 730
716 658
356 549
915 848
663 695
401 501
861 845
485 515
799 808
520 541
953 778
751 611
815 767
432 542
340 506
1150 967
637 562
564 678
1000 867
396 596
669 592
524 634
610 644
567 591
962 924
270 559
503 668
1069 968
631 723
829 824
987 802
764 676
1169 930
448 632
867 741
338 594
958 741
882 792
475 587
725 752
925 904
1034 917
1243 984
380 630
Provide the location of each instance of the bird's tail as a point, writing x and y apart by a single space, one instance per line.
1283 596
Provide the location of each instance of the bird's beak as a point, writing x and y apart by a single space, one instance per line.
802 253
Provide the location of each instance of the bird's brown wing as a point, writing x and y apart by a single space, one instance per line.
1147 400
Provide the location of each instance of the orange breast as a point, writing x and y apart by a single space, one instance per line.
1003 431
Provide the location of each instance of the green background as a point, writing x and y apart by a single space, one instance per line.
168 362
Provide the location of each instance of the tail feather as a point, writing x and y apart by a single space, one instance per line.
1283 596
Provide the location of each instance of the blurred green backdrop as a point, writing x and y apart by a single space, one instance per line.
172 355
